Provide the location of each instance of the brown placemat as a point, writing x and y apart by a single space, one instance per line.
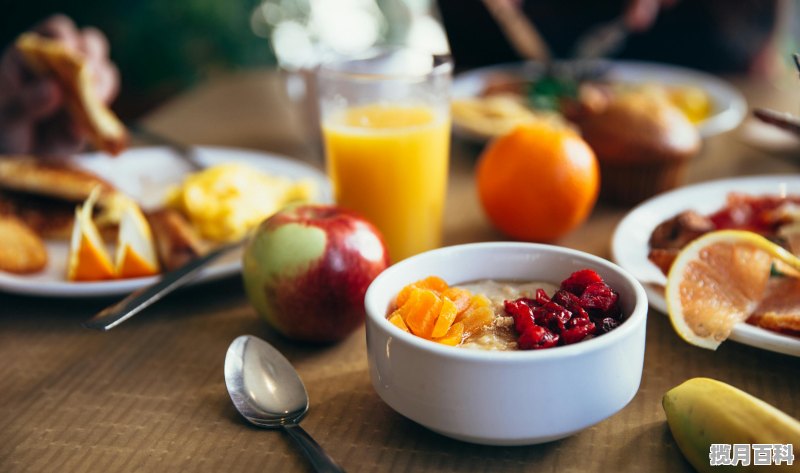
150 396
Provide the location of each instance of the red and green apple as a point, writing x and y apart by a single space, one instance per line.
306 270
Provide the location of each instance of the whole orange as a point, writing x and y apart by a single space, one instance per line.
538 182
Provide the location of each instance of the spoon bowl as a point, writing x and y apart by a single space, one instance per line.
268 392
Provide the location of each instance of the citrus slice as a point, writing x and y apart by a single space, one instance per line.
136 253
88 258
717 281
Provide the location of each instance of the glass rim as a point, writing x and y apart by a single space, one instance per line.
442 65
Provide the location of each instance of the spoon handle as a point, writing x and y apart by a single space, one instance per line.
320 460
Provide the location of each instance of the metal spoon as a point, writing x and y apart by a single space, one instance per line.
268 392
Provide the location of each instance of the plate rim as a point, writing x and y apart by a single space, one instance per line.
726 120
20 285
742 333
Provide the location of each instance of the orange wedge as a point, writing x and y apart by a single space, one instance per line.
136 253
717 281
88 258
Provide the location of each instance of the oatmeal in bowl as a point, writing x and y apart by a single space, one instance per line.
499 343
508 315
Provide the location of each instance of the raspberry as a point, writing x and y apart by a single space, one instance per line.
577 282
537 338
598 296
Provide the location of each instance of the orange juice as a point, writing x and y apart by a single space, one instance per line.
389 163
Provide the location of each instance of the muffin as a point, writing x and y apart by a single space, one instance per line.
643 144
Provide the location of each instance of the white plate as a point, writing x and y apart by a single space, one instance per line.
145 174
629 245
729 109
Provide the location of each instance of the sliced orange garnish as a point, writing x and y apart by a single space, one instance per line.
136 252
88 258
717 281
132 265
91 262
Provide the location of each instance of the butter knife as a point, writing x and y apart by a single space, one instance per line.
143 298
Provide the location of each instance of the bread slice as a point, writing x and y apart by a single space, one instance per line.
53 179
21 251
44 194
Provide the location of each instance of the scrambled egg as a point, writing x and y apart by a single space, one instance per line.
226 201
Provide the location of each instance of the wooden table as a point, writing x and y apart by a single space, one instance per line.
150 396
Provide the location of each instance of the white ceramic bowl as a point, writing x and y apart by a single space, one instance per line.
505 398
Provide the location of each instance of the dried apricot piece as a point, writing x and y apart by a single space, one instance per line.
475 302
434 283
447 314
477 318
453 336
397 319
461 297
421 310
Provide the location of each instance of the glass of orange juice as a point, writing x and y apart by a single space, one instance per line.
386 130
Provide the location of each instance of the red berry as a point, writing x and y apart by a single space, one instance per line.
584 307
576 334
577 282
541 297
608 324
522 314
537 338
598 296
578 321
571 302
555 317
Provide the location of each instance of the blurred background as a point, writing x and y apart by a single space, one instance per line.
163 47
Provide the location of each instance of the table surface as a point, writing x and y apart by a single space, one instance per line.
150 395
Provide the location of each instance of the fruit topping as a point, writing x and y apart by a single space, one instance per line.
584 306
578 281
430 309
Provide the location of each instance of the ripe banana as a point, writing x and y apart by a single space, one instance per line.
703 411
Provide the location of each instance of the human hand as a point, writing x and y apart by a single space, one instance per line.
33 117
641 14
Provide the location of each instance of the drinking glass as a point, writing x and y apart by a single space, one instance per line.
386 131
